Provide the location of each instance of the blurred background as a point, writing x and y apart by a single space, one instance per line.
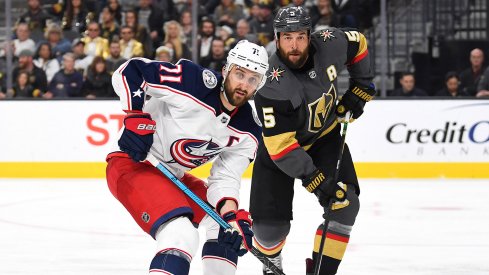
418 48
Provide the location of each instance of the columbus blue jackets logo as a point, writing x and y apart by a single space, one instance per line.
193 153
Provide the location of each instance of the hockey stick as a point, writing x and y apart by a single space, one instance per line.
268 264
317 264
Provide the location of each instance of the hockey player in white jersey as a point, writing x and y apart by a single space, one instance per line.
185 116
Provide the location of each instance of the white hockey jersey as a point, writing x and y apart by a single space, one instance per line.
191 128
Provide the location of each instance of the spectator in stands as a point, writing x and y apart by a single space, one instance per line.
181 5
263 24
164 53
130 47
141 34
483 87
254 11
348 12
116 9
22 42
151 17
22 88
452 86
95 45
217 59
110 28
95 6
170 46
174 34
470 77
168 9
35 17
115 58
59 45
99 82
37 77
45 60
82 61
209 6
76 16
322 15
408 88
207 32
54 8
128 5
225 33
228 13
186 23
67 82
243 32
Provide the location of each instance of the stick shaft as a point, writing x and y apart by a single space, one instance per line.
259 255
317 264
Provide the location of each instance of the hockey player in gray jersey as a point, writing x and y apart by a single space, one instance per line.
301 133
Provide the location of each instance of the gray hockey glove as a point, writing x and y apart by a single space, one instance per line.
324 188
354 100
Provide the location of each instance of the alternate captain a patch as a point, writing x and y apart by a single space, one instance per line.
327 35
275 74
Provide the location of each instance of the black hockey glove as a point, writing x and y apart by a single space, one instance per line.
239 237
354 100
324 188
137 137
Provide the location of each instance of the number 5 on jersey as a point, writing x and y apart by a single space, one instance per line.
268 118
353 36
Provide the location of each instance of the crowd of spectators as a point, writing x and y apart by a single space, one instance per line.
70 48
469 83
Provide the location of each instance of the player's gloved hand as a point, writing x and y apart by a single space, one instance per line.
323 187
239 237
354 100
137 137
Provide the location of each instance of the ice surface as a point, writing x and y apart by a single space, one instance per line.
404 227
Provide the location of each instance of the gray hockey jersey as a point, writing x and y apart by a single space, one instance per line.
297 107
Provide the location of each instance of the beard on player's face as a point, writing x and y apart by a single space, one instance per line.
294 58
237 95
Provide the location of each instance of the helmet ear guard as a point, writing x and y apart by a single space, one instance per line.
249 56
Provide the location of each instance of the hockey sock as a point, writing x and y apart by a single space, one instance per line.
217 260
334 246
171 261
271 250
341 221
177 242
